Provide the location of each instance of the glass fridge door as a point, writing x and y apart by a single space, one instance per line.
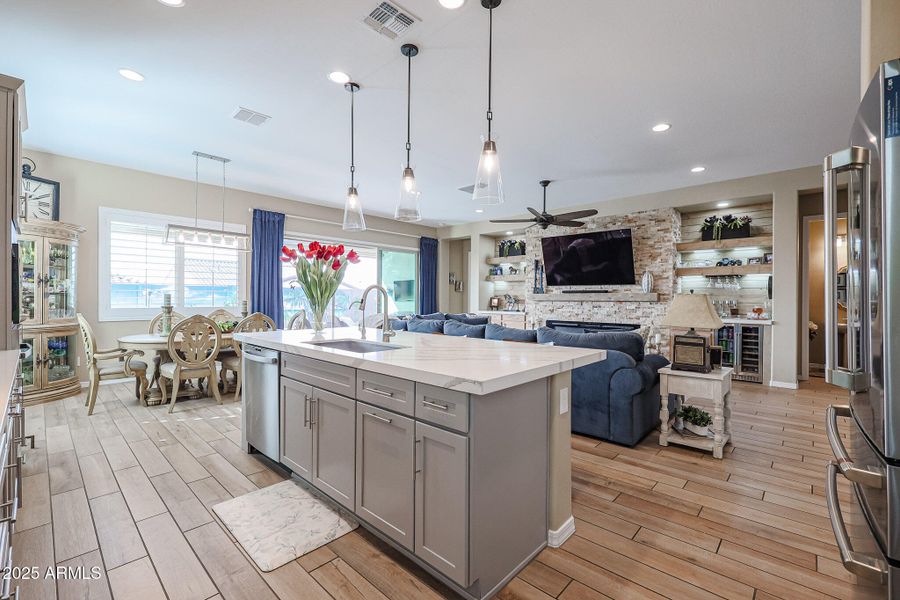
60 356
29 276
31 362
725 339
59 283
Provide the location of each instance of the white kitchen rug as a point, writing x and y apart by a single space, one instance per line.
276 524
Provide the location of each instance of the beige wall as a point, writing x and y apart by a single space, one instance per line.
783 188
85 186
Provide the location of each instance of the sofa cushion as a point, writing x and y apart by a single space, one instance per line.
438 316
509 334
398 324
453 327
467 319
628 342
425 326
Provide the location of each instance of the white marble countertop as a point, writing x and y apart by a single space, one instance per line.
746 321
470 365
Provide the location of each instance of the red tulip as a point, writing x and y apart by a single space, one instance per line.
340 250
300 247
328 254
285 259
335 265
310 254
353 257
285 251
314 246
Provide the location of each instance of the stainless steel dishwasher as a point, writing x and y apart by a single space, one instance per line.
261 402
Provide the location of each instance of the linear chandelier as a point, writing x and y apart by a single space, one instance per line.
183 235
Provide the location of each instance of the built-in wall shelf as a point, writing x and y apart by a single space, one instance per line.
757 241
764 269
596 297
509 278
507 260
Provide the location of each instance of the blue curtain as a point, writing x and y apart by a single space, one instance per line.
265 265
428 265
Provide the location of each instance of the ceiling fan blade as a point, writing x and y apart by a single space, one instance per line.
578 214
535 213
513 220
569 223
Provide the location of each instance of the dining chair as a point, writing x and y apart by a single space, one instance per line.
127 366
255 322
299 321
220 314
156 322
193 347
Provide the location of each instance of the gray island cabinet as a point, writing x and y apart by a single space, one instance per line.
457 481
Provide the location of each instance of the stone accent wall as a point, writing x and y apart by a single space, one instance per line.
654 235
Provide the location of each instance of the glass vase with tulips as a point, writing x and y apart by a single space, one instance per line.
320 271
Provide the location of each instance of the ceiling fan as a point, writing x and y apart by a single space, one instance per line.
544 219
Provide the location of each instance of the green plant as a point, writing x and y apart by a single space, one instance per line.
694 415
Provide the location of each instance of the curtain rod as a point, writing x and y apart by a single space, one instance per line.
327 222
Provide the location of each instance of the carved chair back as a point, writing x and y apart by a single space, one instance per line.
156 322
87 338
255 322
195 342
220 314
298 321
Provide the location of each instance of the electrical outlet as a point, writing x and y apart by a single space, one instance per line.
563 401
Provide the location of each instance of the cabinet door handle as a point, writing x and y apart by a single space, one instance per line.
443 407
379 417
418 445
306 419
313 409
384 393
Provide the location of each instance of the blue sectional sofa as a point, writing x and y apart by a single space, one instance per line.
616 399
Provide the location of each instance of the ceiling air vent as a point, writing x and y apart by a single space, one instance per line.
250 116
390 20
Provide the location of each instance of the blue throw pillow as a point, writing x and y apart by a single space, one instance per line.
453 327
509 334
464 318
425 326
438 316
629 342
398 324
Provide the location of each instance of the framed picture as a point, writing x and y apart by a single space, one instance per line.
768 257
495 302
755 260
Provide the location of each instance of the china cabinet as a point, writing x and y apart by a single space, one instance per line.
48 274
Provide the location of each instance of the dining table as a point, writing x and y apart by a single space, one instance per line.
153 344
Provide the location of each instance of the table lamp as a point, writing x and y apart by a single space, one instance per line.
690 352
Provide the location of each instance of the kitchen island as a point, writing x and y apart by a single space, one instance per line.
454 450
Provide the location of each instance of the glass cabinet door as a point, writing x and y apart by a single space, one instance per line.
59 360
59 280
29 274
31 376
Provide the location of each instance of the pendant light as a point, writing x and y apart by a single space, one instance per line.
183 235
488 184
353 214
408 206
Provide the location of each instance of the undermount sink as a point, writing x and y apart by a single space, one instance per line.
358 346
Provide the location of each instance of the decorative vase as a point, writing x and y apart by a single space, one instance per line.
647 282
318 315
696 429
320 270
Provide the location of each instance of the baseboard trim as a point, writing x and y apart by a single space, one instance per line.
557 537
788 385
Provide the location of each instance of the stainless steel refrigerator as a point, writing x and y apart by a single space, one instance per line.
866 444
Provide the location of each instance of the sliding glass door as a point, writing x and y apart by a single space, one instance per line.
399 275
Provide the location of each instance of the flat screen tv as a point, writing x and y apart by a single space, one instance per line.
596 258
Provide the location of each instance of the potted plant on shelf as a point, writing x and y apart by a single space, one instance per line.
727 227
320 271
696 420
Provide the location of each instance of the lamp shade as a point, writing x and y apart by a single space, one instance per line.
692 311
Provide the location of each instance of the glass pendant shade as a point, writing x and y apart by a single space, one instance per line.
353 214
488 188
408 206
182 235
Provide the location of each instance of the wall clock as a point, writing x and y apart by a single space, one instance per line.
40 197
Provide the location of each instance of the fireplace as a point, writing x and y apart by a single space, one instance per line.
590 326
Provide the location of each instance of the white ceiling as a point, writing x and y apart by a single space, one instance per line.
749 86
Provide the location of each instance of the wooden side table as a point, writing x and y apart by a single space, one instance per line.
715 386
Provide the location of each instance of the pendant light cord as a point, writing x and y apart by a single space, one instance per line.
490 115
223 197
408 104
196 190
352 126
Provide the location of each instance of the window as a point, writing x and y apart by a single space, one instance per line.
137 268
396 270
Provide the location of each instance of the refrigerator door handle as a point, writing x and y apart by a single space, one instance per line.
861 565
867 477
855 377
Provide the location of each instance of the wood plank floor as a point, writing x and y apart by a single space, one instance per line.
128 491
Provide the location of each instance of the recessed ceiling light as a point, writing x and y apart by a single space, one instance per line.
339 77
451 4
698 169
723 204
172 3
479 210
131 75
509 233
660 127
